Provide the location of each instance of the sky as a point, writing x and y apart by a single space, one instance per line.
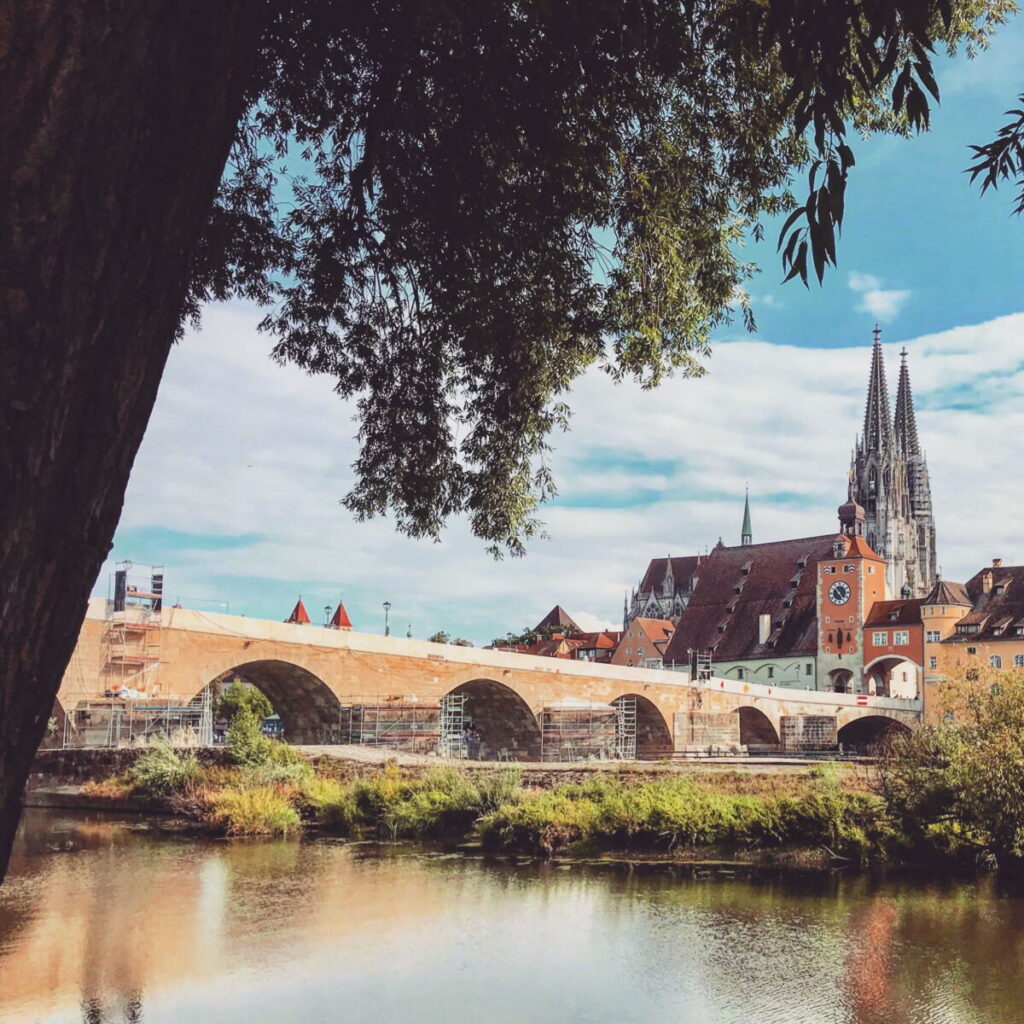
237 486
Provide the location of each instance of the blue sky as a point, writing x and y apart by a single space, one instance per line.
237 485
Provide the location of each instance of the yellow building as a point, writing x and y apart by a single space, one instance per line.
980 624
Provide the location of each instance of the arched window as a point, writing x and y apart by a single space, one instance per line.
996 689
995 661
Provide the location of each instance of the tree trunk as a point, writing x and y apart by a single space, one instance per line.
116 117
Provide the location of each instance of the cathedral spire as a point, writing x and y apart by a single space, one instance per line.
747 533
906 423
877 417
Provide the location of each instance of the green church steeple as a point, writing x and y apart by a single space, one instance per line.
747 536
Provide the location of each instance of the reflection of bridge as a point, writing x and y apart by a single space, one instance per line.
310 674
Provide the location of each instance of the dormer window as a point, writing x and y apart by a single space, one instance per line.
745 571
999 589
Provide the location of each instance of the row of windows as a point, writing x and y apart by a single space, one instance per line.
995 660
900 638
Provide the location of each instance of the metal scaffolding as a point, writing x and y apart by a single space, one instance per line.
452 739
130 648
115 722
578 730
398 725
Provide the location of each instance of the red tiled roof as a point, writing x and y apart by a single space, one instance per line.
682 569
901 613
858 547
997 615
736 585
299 614
945 592
341 619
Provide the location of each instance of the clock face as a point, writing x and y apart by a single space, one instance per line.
839 592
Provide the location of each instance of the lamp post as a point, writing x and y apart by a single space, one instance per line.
387 609
327 614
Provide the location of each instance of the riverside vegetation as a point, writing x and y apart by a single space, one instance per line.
953 794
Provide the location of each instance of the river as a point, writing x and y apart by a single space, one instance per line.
105 921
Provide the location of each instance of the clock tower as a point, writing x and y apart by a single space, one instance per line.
849 583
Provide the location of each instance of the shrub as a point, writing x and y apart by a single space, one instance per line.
248 745
332 803
161 770
262 810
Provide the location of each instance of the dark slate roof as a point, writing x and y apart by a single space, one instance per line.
558 617
899 613
682 569
778 579
997 615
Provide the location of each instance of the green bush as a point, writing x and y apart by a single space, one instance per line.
262 810
161 770
247 744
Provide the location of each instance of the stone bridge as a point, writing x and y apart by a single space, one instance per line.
312 674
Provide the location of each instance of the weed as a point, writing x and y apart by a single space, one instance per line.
161 770
262 810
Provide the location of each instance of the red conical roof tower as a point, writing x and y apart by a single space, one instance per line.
340 619
299 615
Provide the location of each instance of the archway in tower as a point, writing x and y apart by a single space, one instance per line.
653 736
508 728
308 709
757 733
841 680
891 676
872 734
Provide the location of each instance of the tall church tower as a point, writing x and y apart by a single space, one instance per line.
889 478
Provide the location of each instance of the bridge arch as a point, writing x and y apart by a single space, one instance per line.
653 735
504 720
756 730
308 707
871 733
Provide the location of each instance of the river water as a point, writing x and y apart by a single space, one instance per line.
106 920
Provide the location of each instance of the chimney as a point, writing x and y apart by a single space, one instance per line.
996 563
764 628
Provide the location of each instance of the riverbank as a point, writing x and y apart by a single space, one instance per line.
810 816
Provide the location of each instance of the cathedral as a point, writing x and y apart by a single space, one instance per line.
888 478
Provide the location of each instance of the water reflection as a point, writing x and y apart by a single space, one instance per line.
104 923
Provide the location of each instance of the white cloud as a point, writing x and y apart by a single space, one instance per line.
883 304
239 446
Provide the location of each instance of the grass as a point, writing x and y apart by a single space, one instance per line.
442 802
727 811
676 813
258 811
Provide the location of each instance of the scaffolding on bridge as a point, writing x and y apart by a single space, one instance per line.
584 730
118 722
130 647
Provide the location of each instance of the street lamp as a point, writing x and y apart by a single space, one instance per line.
387 609
327 614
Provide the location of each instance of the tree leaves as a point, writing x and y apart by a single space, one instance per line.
1003 157
454 209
